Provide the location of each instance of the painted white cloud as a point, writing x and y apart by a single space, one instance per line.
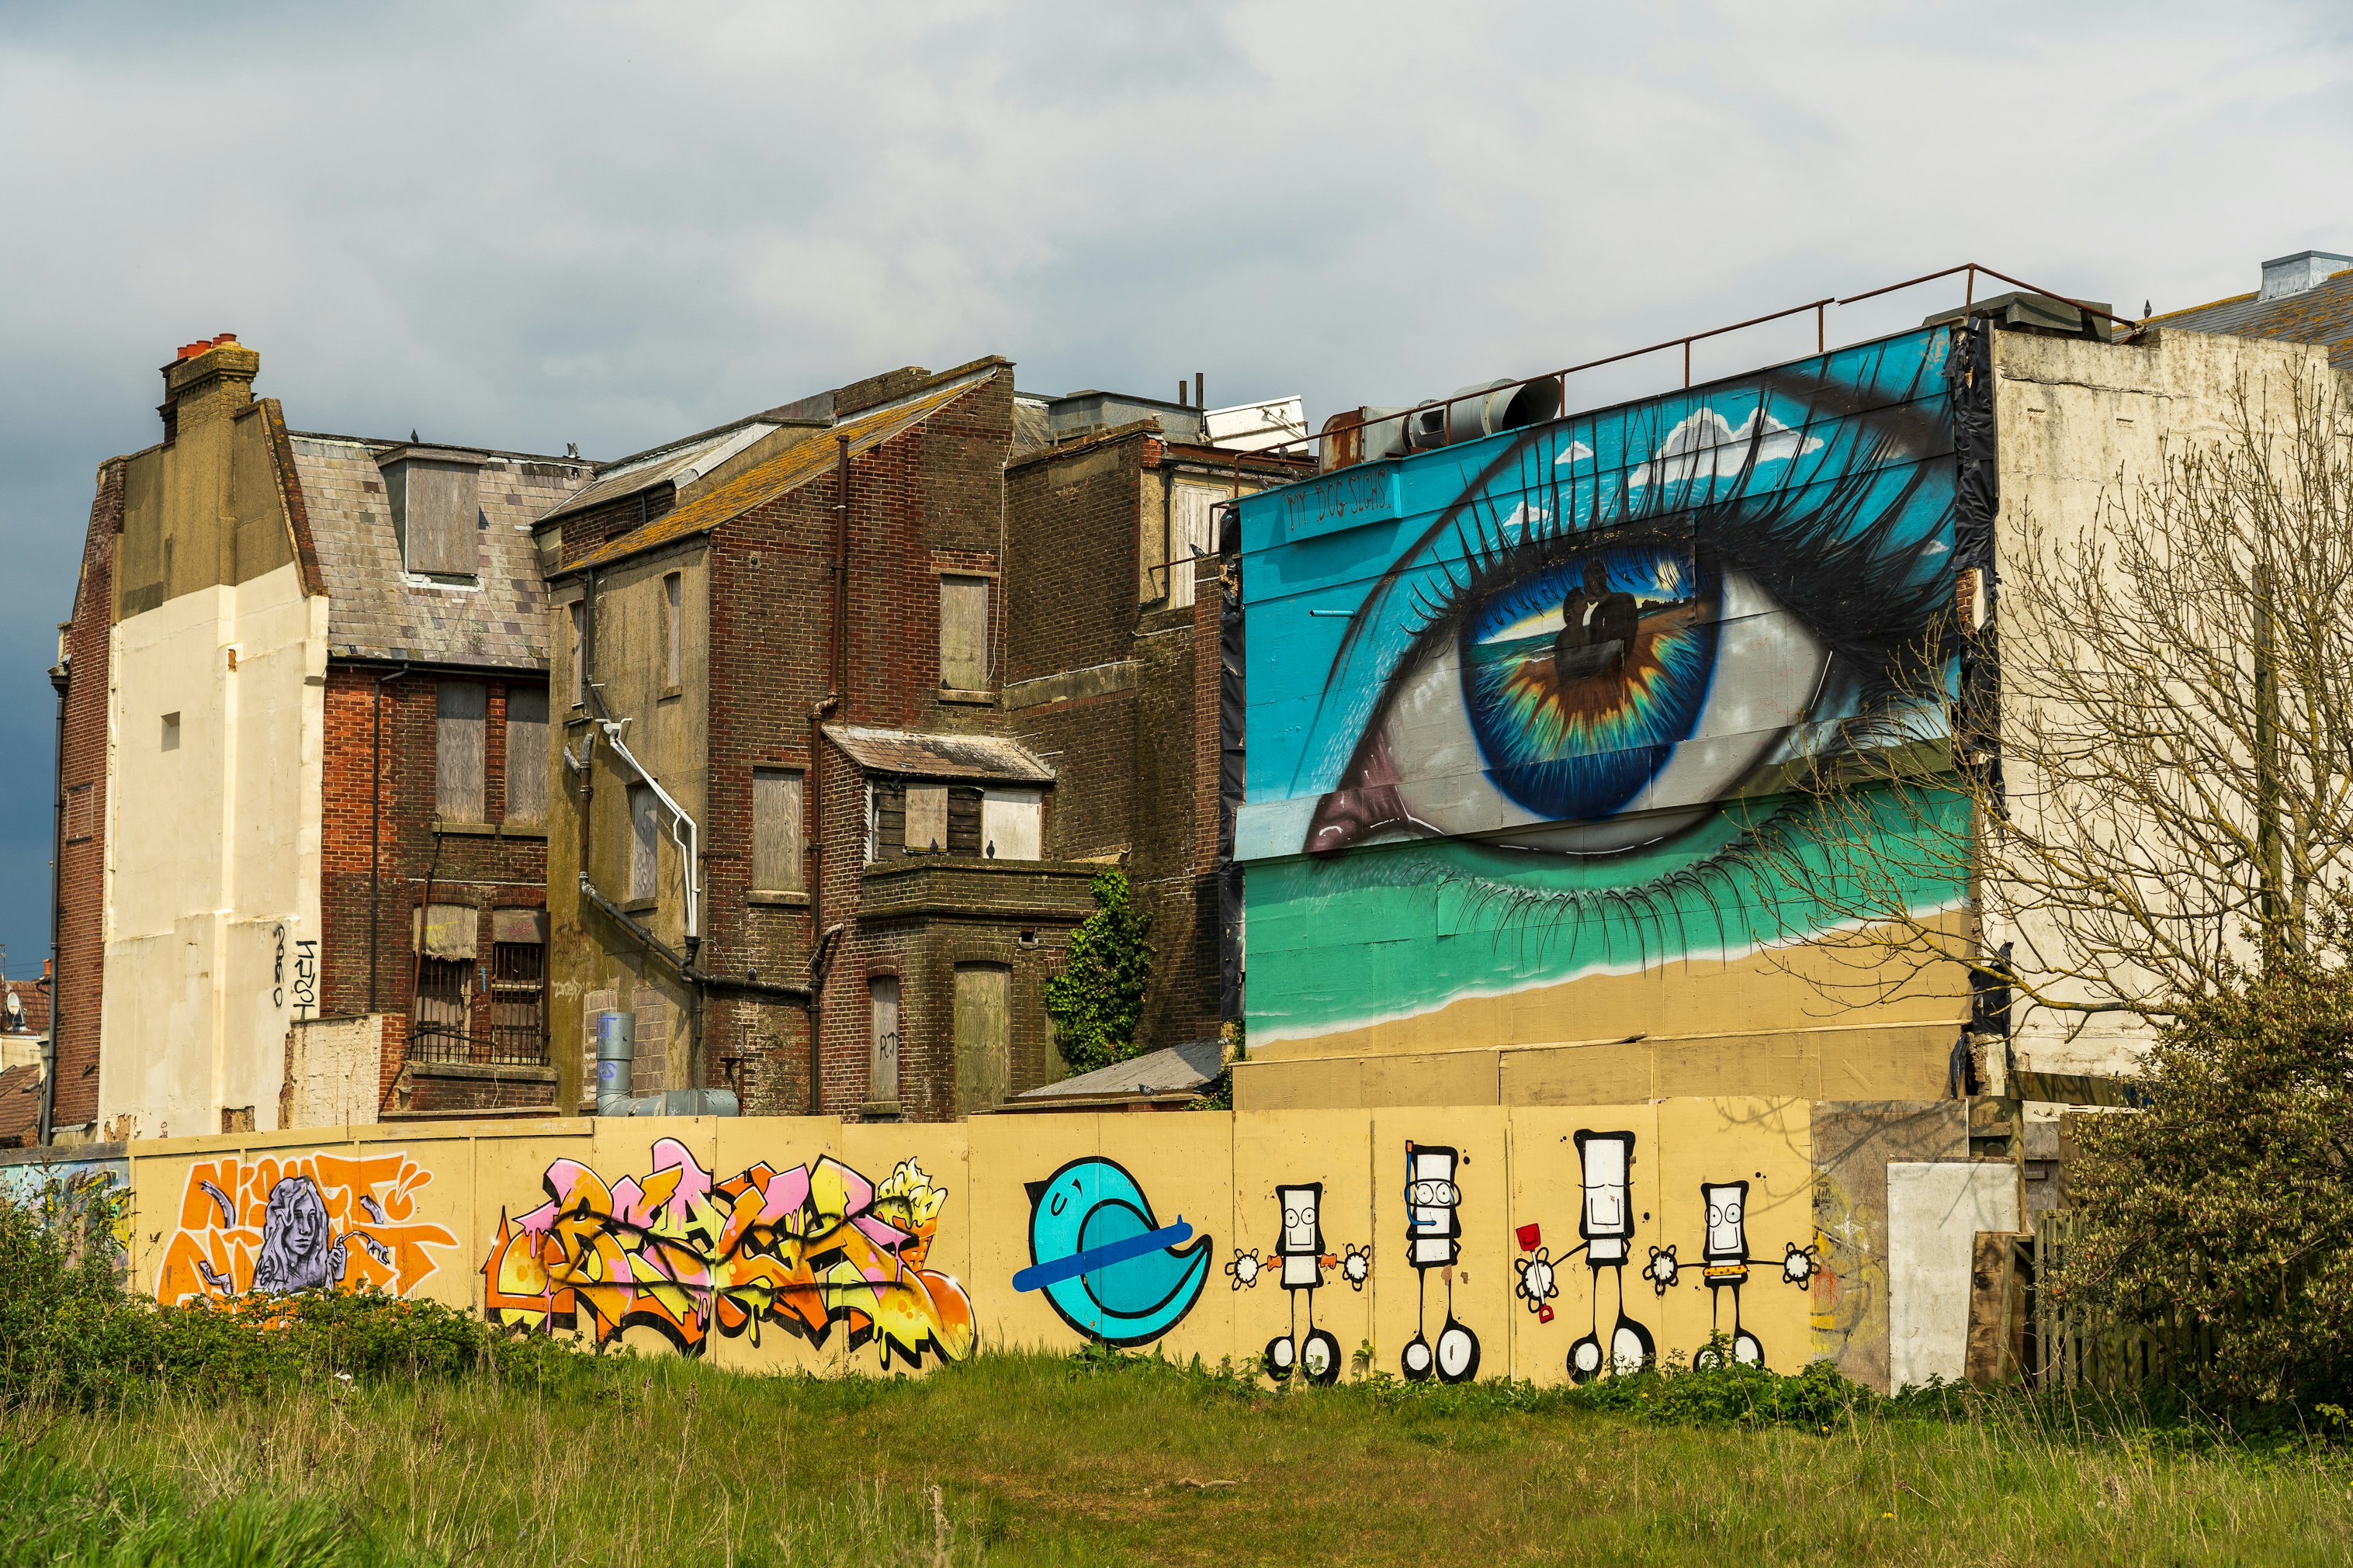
1705 445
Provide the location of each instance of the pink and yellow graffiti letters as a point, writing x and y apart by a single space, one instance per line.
805 1248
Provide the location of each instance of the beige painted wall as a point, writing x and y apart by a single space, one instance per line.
2081 424
668 733
449 1193
212 851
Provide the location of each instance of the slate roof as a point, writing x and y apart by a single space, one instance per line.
1180 1071
788 470
913 754
376 610
2322 314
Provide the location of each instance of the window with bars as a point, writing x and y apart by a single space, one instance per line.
518 1002
439 1026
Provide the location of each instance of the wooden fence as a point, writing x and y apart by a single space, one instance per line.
2076 1350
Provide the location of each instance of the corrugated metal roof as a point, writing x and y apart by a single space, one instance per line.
676 464
926 756
788 470
1177 1070
2322 314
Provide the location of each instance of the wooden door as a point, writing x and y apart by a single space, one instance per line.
984 1035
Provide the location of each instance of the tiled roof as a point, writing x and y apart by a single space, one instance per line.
20 1106
915 754
34 998
788 470
2322 314
378 610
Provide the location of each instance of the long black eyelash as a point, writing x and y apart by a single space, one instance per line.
1851 586
1657 914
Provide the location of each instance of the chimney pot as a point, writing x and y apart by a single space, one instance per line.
224 338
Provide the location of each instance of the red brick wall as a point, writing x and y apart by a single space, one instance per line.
929 501
487 872
80 915
1137 769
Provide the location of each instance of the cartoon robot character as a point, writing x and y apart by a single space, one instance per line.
1725 1264
1433 1232
1606 1224
1303 1261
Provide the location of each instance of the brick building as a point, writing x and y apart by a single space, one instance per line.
301 777
1120 604
852 710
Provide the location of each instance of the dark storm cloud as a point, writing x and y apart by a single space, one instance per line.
535 224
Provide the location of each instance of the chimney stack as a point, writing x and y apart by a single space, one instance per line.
208 380
2306 269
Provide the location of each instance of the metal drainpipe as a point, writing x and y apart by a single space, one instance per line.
375 835
56 921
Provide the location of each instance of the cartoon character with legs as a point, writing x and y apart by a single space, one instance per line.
1433 1230
1606 1224
1724 1265
1301 1252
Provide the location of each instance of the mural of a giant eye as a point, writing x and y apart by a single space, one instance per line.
1551 688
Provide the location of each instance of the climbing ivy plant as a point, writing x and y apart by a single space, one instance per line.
1097 1000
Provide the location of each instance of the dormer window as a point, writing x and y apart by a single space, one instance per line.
436 512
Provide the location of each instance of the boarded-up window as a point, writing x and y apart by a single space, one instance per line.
924 819
984 1035
883 1068
964 632
650 1073
927 819
887 838
1010 820
462 709
672 637
1192 532
526 754
644 842
776 830
579 654
435 511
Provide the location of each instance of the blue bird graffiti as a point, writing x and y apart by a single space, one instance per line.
1105 1264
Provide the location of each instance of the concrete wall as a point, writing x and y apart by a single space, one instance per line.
2081 426
212 852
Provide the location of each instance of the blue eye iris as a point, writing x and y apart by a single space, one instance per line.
1581 680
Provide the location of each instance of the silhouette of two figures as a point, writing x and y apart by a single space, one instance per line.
1597 629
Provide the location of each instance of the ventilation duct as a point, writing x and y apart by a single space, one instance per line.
1368 435
616 1056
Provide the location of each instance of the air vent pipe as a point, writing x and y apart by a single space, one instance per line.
617 1056
1477 411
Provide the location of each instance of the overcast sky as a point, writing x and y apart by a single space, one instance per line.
524 224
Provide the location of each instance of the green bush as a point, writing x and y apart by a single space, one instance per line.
2224 1203
69 1332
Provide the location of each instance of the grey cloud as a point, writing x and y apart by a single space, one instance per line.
606 223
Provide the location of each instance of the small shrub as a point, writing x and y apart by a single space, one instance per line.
1098 999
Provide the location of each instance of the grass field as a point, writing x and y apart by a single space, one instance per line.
1036 1460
